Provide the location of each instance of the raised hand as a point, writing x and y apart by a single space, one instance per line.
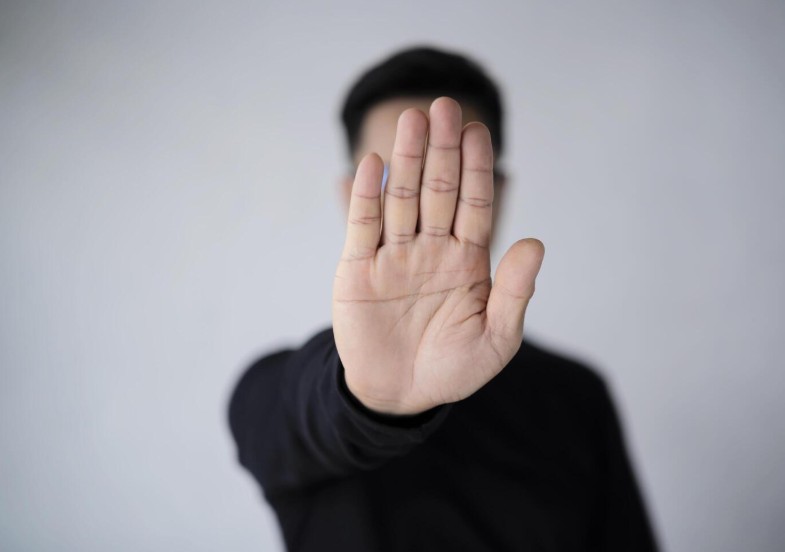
416 318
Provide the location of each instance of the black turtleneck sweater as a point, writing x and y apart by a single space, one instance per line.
535 460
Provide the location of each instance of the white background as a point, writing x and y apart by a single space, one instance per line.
168 212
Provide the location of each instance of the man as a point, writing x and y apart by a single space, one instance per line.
420 421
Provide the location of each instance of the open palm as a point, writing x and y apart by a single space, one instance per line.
417 320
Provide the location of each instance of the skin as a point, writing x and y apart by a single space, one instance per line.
377 135
417 320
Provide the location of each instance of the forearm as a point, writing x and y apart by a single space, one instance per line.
296 424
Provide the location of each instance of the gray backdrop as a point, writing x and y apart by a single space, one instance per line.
168 213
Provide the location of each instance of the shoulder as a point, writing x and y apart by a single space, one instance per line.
271 364
556 367
323 338
259 384
558 378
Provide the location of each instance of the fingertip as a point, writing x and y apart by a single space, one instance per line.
476 146
536 245
368 179
477 127
369 161
446 106
446 102
532 247
413 117
411 133
528 255
369 165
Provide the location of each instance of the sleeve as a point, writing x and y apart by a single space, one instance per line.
622 523
296 424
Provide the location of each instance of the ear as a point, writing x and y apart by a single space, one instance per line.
344 189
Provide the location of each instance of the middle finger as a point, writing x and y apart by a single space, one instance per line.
441 173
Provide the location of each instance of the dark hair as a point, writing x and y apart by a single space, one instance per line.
424 71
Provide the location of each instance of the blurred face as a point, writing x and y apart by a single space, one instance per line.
377 135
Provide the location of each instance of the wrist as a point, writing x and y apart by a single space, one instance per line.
384 408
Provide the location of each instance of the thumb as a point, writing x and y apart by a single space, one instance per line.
512 289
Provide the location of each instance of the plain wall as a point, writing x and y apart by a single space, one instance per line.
168 212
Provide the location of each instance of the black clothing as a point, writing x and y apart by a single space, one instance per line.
534 460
